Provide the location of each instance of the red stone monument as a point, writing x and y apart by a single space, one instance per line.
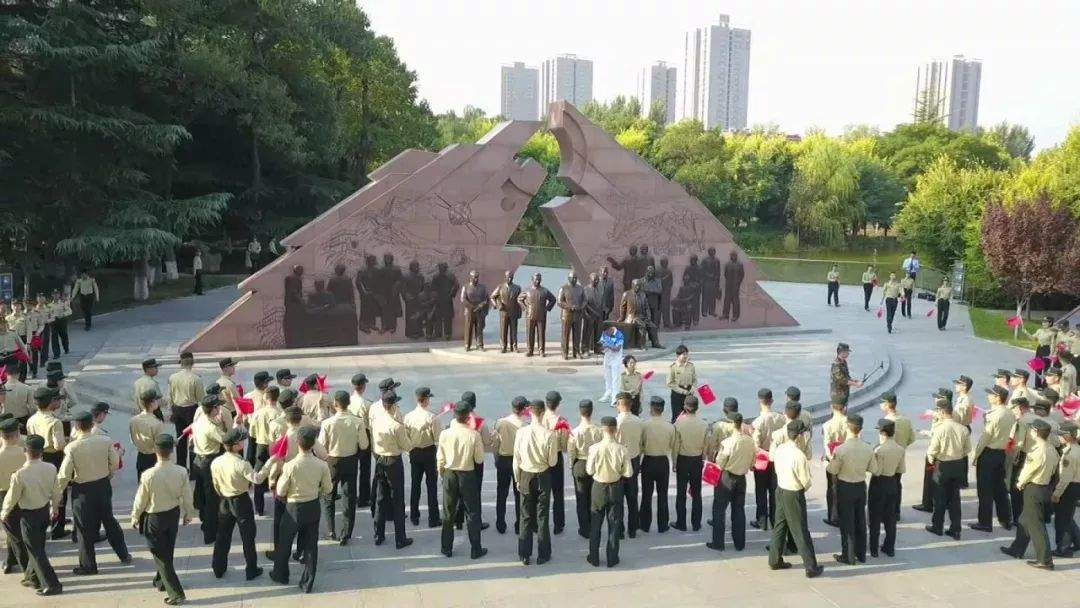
620 205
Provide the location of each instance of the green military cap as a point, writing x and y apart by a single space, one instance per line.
1068 428
312 379
731 404
210 400
1002 373
45 394
234 436
55 376
884 424
793 393
149 364
341 397
100 408
764 393
585 404
795 428
164 441
943 404
287 396
965 380
1041 406
308 433
843 346
9 425
227 362
35 442
553 397
1021 372
889 397
462 407
53 366
83 416
519 402
358 379
284 374
260 377
388 384
1053 371
855 419
1020 401
150 395
609 421
469 397
1050 395
1000 391
423 393
943 393
1040 425
390 398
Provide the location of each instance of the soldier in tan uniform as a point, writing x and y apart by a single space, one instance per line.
185 393
206 444
963 412
608 464
88 466
18 401
681 380
903 435
261 424
146 383
883 497
949 443
890 294
833 433
989 458
735 458
460 450
27 501
657 444
144 428
1034 482
850 463
359 406
1066 493
46 425
506 429
907 287
792 412
764 425
584 435
303 480
550 419
424 428
691 434
232 477
390 439
343 435
227 382
630 435
536 451
792 482
12 458
1022 443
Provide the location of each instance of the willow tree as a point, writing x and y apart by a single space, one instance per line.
823 202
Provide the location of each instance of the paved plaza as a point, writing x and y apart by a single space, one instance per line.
670 569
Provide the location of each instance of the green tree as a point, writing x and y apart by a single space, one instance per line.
1054 174
823 202
910 149
1016 139
880 192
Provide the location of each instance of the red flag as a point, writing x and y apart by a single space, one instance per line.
116 446
1036 364
833 445
1070 406
927 415
880 312
1010 447
478 423
562 425
526 414
320 383
21 356
35 342
245 406
706 394
931 312
979 412
446 407
1014 322
280 448
647 375
711 473
187 431
3 374
761 461
875 282
240 389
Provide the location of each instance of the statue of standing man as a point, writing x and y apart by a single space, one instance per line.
505 300
536 301
474 300
572 302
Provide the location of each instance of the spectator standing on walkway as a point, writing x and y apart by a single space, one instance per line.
86 290
911 265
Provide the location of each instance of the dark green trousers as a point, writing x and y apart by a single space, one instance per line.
606 503
791 517
160 530
32 526
535 514
1031 527
460 491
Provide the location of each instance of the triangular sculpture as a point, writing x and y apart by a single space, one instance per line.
457 207
619 201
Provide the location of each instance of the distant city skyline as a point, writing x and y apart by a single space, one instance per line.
566 77
520 91
716 75
659 83
949 89
814 66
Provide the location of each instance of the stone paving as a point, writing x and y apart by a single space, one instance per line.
673 568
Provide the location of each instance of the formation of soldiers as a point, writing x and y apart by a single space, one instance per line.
312 450
33 332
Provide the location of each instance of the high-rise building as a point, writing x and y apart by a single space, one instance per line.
716 75
520 86
948 92
656 84
566 78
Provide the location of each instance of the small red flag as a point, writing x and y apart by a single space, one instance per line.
116 446
647 375
1010 447
562 425
1014 322
979 412
320 383
446 407
761 461
478 423
1036 364
1070 406
240 389
3 374
711 473
35 342
187 430
880 312
875 281
927 415
706 394
833 445
244 405
931 312
280 448
21 356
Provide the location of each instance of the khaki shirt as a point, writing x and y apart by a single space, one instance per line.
506 429
88 459
536 449
889 459
343 435
834 431
304 479
690 435
35 321
852 460
907 283
802 442
1039 466
12 458
1025 439
424 427
48 426
233 476
185 388
460 448
31 487
258 399
762 428
792 467
85 287
144 429
163 487
868 277
949 441
1068 469
657 436
608 461
10 341
19 400
206 437
630 383
904 435
144 385
736 454
562 437
963 409
316 405
228 393
77 433
582 438
891 289
681 378
17 323
62 309
997 427
358 406
389 437
223 421
630 433
1022 391
292 446
944 293
261 423
832 276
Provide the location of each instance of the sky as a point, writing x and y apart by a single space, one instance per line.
813 64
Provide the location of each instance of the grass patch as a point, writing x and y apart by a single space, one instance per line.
116 288
990 324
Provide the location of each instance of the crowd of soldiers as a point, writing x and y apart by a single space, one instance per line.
33 332
312 450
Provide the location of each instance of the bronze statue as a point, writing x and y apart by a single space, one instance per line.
572 302
366 284
389 294
629 267
592 316
444 285
693 270
653 288
683 303
536 302
733 278
505 300
607 293
634 310
667 281
474 300
344 311
645 261
710 283
412 289
295 310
